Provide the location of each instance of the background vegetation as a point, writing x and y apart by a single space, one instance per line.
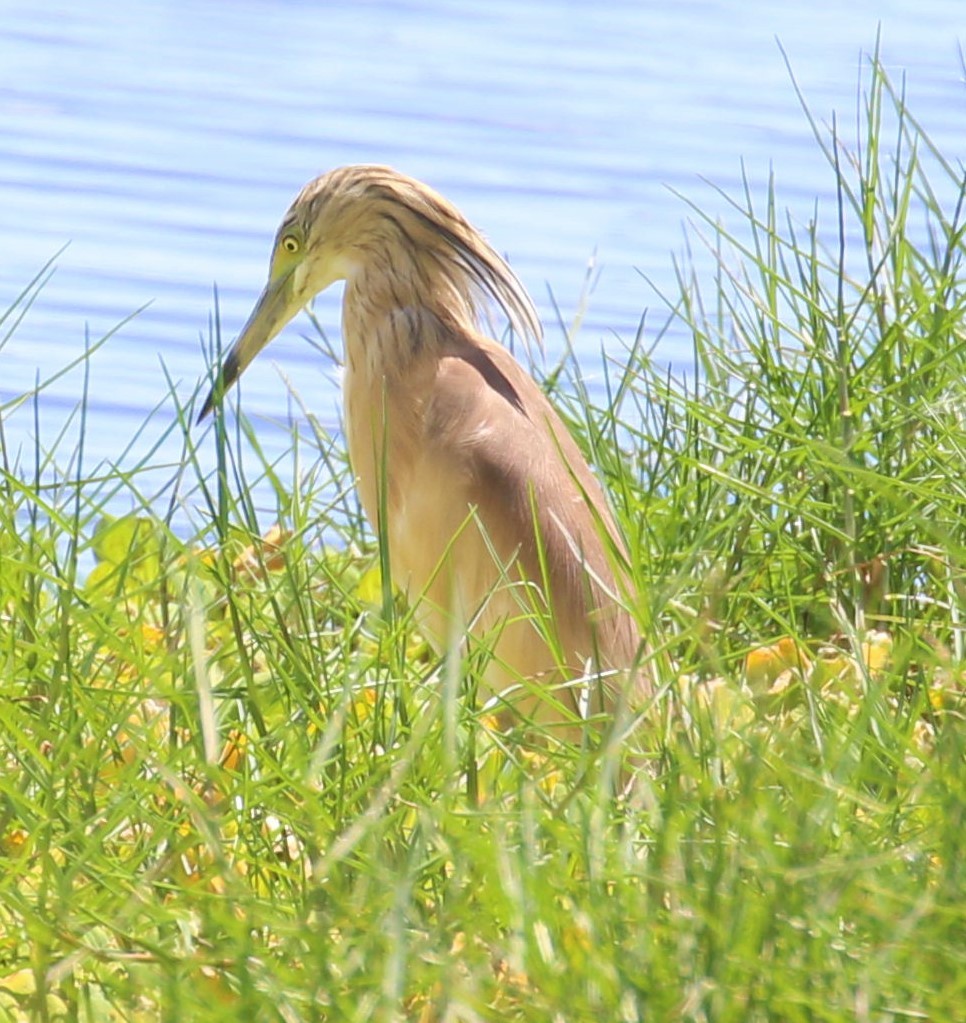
234 786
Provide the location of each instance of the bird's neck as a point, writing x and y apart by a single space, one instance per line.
393 342
394 317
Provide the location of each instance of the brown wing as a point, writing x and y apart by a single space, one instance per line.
534 494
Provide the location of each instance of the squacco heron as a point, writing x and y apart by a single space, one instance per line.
498 531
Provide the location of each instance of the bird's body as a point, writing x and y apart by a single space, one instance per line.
497 529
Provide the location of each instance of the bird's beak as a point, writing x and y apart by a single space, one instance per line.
276 305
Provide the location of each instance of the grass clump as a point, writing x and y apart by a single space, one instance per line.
234 787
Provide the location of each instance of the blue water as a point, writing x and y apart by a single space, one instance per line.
163 141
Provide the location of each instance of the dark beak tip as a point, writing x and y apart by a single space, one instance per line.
205 410
223 381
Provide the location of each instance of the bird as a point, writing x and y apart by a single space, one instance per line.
498 532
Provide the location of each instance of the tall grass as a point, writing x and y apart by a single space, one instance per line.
237 785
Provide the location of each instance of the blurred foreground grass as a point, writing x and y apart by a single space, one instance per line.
234 783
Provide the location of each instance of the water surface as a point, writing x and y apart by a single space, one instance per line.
163 141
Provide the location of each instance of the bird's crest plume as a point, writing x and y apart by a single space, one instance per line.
451 254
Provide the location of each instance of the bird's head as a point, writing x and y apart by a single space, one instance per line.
370 216
307 256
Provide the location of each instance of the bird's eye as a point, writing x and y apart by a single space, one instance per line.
290 243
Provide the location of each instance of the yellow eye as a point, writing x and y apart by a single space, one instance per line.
291 244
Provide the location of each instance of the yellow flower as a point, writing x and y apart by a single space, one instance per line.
764 664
